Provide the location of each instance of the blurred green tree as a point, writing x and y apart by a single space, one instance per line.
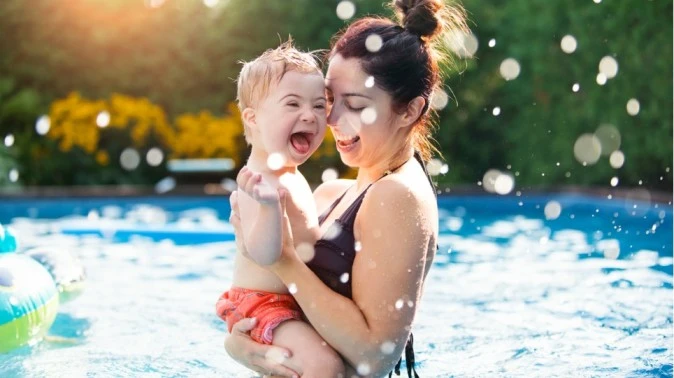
184 56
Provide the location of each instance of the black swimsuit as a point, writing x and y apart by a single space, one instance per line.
336 250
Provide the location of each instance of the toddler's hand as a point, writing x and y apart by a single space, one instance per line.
253 185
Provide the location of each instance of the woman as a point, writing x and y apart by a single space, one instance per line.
361 289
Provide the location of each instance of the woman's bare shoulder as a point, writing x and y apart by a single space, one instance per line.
327 192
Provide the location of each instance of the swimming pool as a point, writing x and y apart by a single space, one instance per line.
586 293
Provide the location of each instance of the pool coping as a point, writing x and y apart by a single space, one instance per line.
218 190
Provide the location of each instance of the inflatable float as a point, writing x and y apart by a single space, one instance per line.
31 287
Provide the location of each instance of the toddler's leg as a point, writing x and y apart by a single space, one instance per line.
311 356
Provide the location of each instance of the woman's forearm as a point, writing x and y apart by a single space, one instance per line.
348 333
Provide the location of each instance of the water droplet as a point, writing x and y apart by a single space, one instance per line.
569 44
496 111
13 175
305 251
587 149
363 368
434 166
552 210
610 248
167 184
633 107
129 159
211 3
345 10
510 69
492 42
462 44
617 159
609 138
369 82
399 304
439 99
608 66
344 278
504 184
575 87
275 161
154 156
373 43
9 140
292 288
329 174
103 119
368 115
43 125
387 347
614 181
601 79
357 246
275 355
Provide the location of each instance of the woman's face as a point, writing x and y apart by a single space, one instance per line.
361 115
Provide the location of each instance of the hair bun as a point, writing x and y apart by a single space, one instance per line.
420 17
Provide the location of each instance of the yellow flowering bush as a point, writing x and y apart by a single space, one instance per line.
78 122
90 136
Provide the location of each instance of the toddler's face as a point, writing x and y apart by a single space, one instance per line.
291 120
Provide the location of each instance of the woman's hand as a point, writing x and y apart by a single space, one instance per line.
264 359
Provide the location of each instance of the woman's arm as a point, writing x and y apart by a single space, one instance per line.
264 359
386 280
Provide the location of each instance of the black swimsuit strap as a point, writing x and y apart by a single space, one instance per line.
417 155
356 202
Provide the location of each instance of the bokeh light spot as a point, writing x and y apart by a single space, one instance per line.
510 69
13 175
154 156
569 44
368 115
42 125
329 175
552 210
609 138
504 184
9 140
373 43
129 159
462 44
587 149
345 10
439 99
617 159
103 119
275 161
601 78
608 66
633 107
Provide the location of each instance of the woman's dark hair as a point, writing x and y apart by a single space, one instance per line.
406 65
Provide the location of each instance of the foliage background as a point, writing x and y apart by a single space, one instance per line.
173 63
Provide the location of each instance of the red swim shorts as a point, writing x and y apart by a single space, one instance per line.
270 309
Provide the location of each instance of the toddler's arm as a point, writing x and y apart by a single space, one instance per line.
263 239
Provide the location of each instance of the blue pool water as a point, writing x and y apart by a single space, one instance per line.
587 293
